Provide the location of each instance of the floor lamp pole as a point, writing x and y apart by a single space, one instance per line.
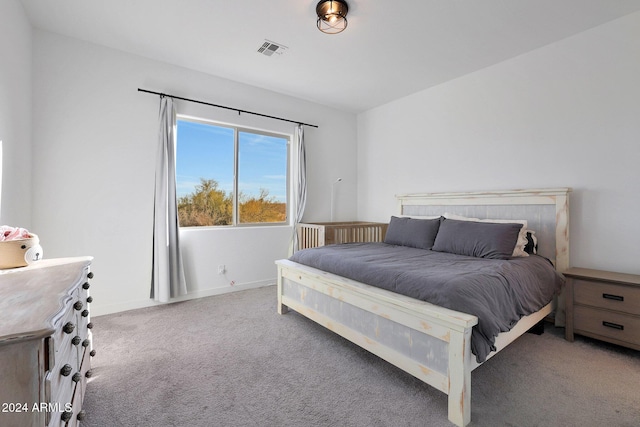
332 195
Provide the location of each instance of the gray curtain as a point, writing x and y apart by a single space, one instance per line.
167 280
301 184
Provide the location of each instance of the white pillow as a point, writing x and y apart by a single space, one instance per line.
518 250
420 216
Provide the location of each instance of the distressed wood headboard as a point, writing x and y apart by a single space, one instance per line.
546 211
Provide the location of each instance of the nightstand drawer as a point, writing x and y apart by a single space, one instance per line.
608 324
607 295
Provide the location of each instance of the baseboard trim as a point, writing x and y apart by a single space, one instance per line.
102 310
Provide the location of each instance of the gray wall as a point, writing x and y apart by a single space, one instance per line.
15 115
565 115
78 159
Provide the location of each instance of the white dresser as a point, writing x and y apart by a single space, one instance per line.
45 342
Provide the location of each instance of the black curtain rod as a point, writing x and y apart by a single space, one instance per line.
226 108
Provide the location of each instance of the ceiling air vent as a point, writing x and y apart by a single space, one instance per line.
268 48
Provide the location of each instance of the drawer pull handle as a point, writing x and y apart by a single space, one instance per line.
76 340
90 275
81 415
90 325
88 374
86 285
65 370
92 353
68 327
66 416
86 343
85 313
89 299
612 325
613 297
78 305
76 377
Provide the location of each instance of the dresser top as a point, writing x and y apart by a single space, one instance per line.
608 276
33 298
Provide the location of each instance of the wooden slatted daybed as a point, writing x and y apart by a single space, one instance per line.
429 342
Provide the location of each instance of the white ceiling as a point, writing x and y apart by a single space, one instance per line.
389 50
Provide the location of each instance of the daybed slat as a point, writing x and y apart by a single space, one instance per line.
316 234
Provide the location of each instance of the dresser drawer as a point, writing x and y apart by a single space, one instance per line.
70 413
604 323
61 386
66 341
611 296
63 336
60 400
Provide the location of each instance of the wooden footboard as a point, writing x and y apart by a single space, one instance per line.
429 342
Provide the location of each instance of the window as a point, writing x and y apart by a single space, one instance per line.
228 175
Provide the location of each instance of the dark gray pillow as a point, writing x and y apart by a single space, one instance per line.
416 233
477 239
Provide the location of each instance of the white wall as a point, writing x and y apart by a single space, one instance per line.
563 115
15 115
567 114
94 150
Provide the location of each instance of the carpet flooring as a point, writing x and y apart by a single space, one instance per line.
231 360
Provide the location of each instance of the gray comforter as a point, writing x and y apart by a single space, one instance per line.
498 292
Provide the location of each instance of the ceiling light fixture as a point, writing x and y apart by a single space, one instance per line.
332 16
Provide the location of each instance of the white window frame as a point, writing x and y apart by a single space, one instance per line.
236 147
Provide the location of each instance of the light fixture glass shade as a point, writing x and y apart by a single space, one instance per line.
332 16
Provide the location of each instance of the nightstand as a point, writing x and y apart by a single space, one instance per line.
603 305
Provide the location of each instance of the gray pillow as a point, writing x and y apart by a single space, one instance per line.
416 233
477 239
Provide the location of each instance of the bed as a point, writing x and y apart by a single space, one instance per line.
430 342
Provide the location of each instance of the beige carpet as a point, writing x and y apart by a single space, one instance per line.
230 360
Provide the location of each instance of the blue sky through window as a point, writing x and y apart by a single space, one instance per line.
207 151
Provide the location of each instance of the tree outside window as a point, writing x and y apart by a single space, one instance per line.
227 175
